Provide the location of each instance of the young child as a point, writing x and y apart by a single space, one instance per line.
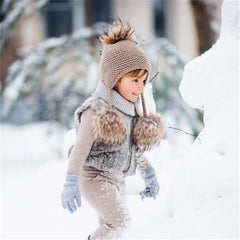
111 135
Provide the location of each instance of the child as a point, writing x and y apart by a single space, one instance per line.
111 135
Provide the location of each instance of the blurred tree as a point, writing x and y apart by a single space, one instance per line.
11 12
207 23
169 63
50 80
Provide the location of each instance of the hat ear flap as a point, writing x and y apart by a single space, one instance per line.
109 126
148 132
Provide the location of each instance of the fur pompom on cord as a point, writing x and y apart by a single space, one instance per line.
148 132
109 126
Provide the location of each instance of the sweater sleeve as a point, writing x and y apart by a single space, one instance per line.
143 164
83 144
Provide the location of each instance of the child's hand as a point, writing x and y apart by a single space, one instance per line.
70 193
152 186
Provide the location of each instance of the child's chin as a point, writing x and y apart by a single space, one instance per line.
133 100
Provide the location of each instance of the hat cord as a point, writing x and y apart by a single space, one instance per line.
110 98
143 106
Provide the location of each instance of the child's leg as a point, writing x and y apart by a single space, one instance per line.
123 195
105 196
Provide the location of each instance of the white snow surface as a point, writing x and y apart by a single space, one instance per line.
199 192
32 180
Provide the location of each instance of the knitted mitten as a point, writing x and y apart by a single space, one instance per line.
70 193
151 183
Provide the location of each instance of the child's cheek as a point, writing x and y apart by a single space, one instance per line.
129 90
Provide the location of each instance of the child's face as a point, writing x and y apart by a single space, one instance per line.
131 87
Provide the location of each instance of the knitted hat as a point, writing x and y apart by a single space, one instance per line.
121 54
119 59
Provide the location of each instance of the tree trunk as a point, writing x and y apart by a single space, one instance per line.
207 22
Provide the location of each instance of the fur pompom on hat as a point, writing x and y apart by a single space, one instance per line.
121 54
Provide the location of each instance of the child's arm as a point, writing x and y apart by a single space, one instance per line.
79 153
149 176
83 144
143 164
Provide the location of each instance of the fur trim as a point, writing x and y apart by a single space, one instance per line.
148 132
117 32
109 126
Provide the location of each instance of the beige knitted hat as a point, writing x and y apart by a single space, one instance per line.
121 54
121 58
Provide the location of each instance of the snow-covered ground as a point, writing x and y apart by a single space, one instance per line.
32 180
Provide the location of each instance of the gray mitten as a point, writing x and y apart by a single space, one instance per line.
70 193
151 183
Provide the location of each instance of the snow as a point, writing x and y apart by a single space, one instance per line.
14 10
33 180
14 13
41 3
210 83
199 191
52 43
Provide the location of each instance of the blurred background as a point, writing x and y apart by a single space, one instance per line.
49 62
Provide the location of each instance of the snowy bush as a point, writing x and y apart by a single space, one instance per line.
12 11
51 79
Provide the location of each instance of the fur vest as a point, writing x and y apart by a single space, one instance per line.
114 158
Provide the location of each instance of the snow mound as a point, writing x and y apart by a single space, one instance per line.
207 176
211 83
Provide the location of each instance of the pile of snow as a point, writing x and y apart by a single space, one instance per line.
211 83
209 172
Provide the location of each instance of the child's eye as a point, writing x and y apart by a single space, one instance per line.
135 80
144 82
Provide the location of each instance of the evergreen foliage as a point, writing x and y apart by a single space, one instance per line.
11 11
49 81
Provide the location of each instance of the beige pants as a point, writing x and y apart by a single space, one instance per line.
106 195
